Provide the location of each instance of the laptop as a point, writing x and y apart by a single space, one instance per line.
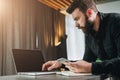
28 60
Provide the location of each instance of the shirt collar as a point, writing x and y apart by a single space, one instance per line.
98 33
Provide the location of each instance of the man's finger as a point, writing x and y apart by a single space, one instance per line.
51 67
46 65
43 67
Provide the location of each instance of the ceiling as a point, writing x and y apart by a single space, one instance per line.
62 5
57 4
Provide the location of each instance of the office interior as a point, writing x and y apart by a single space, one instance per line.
42 25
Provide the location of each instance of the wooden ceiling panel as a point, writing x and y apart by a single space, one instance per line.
57 4
63 4
46 2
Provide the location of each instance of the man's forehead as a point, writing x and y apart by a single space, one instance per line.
76 13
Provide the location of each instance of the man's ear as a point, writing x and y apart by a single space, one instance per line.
89 12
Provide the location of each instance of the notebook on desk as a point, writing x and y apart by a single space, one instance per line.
28 60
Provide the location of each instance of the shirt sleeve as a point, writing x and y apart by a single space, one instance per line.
107 67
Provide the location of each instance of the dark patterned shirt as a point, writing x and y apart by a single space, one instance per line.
105 45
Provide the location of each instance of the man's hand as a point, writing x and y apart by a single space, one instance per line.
51 65
79 66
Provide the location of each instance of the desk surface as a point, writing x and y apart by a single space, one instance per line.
48 77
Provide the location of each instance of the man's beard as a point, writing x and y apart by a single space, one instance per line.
88 26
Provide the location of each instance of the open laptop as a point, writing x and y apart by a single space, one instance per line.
29 62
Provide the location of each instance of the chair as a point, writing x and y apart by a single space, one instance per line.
28 60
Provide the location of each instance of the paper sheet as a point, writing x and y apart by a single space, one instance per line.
69 73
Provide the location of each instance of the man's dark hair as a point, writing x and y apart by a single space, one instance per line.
83 5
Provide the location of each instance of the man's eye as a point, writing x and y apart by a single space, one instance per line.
77 19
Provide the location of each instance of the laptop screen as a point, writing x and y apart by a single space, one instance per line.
28 60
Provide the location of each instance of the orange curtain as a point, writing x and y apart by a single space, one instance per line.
17 30
50 27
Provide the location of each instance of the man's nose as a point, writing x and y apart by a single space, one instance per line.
77 25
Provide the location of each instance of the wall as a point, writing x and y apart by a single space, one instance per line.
75 40
109 7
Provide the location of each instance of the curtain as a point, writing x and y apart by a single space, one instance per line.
50 27
17 30
27 24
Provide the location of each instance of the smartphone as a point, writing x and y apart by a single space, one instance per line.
63 60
